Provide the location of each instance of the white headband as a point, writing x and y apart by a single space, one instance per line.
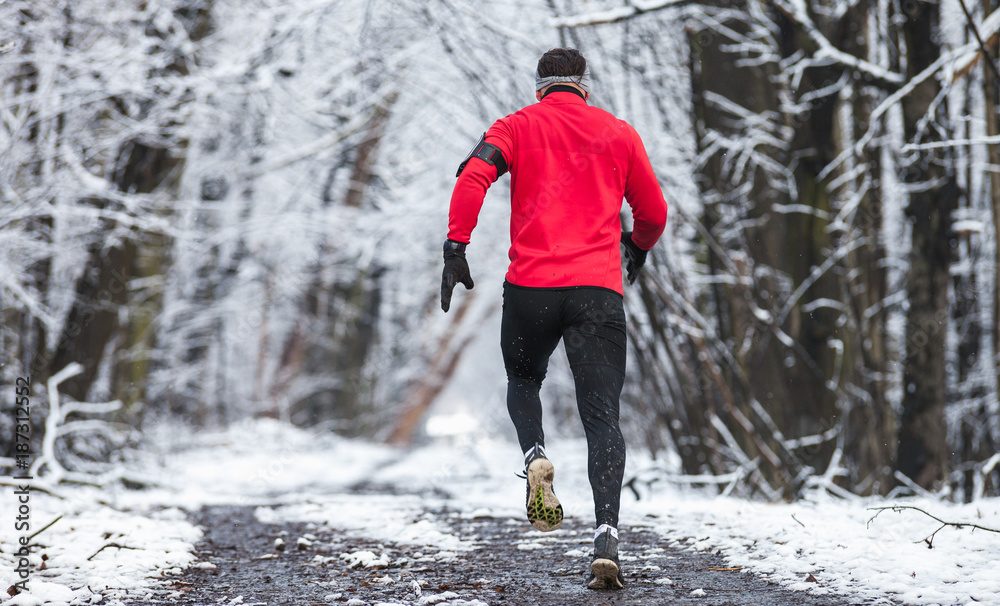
581 81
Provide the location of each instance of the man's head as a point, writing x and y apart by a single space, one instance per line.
564 66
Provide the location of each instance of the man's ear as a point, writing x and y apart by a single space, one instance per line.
538 95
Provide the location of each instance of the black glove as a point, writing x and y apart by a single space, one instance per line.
456 269
635 257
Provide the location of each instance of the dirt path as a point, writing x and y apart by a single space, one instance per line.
513 566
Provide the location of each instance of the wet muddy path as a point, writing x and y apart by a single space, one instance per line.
242 562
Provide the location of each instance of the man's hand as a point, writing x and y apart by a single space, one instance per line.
635 257
456 270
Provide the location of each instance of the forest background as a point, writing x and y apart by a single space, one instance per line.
219 209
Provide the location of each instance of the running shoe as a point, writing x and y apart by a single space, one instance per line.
544 511
605 569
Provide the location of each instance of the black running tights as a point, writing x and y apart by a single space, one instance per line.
591 323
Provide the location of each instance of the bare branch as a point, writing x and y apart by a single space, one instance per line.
796 11
930 538
994 140
615 15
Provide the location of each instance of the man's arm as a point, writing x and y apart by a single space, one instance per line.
643 193
474 179
486 162
467 199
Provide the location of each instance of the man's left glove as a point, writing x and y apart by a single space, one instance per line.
456 269
635 257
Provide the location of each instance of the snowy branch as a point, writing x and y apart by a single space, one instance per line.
990 27
956 62
796 10
814 275
887 104
633 9
994 140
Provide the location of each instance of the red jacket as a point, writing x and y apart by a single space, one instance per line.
570 166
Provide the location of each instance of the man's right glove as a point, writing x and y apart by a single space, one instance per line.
635 257
456 269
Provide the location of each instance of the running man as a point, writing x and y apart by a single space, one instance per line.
570 166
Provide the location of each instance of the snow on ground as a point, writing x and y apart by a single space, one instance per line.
822 545
93 551
825 545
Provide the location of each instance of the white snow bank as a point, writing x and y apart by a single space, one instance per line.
885 560
254 462
93 553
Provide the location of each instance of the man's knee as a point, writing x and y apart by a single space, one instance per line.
526 377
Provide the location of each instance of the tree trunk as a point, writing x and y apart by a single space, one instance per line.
102 294
923 453
345 313
441 367
93 321
991 95
761 398
869 423
801 278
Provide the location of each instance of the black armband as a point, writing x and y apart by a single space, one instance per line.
454 246
487 152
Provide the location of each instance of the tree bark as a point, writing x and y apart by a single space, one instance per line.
991 95
923 453
869 423
346 315
102 293
441 367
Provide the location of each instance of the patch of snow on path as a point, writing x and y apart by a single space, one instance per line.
401 519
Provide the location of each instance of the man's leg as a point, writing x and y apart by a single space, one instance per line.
529 333
595 345
595 341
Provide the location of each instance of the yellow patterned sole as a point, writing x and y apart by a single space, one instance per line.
544 511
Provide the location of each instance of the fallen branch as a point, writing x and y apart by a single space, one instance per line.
110 545
44 529
36 486
930 538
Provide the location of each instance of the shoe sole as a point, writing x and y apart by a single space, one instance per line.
544 511
605 575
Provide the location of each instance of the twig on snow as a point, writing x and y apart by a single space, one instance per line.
110 545
44 529
36 486
930 538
